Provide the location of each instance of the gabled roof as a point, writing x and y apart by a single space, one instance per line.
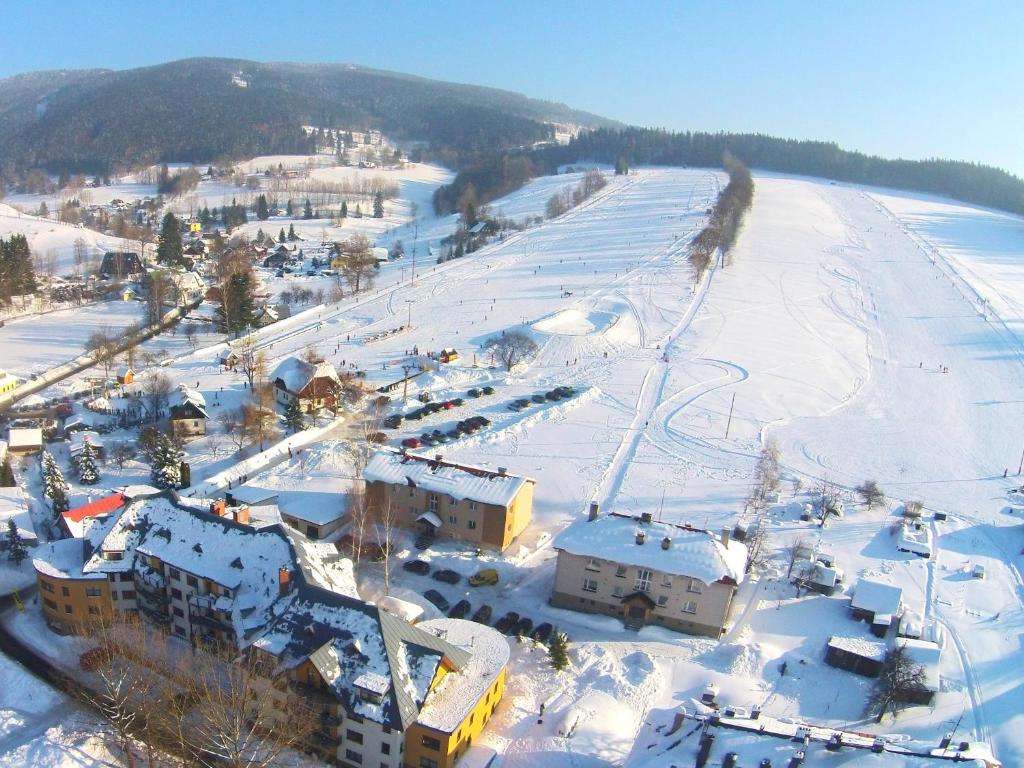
877 597
296 374
460 481
97 508
691 552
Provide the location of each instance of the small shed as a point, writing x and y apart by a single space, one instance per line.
228 358
859 655
448 355
25 441
125 376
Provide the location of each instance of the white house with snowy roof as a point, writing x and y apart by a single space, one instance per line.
647 572
447 500
314 385
188 412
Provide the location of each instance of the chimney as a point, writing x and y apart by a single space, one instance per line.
666 543
217 508
502 471
595 511
284 581
646 518
726 533
241 514
641 537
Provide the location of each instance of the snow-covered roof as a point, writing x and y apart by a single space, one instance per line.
296 374
692 552
189 395
253 495
61 559
878 597
452 701
927 655
460 481
79 439
323 566
860 646
25 437
14 506
401 608
7 379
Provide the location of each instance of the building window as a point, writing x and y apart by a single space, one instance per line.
45 586
93 592
666 580
192 581
643 580
662 601
68 608
690 606
590 585
128 594
49 604
593 565
426 762
617 592
178 612
94 611
429 742
179 630
620 571
176 593
433 500
471 524
472 505
113 594
385 748
695 586
354 756
175 574
354 736
126 577
453 519
65 592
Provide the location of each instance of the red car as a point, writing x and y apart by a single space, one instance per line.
411 442
448 405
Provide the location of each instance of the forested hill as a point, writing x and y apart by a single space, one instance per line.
197 110
970 182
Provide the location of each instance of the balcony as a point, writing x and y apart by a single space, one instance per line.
311 692
329 721
209 620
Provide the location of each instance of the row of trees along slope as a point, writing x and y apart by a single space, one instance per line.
489 177
723 226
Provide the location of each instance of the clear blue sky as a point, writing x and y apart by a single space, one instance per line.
910 79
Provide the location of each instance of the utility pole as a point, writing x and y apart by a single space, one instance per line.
415 245
1021 465
409 303
729 422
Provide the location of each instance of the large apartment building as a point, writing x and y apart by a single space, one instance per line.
383 691
446 500
647 572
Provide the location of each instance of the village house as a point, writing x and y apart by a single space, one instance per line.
314 385
265 315
8 383
125 376
648 572
120 264
878 603
442 499
188 412
77 441
76 521
383 692
279 258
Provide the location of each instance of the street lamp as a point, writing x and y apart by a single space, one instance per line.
409 303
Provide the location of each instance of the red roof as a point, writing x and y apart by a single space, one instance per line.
96 508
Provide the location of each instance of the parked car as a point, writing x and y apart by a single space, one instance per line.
437 599
414 415
481 421
448 576
538 398
506 622
474 393
394 421
411 442
448 405
422 567
566 391
439 436
482 615
484 578
455 434
460 610
427 438
488 390
543 632
433 407
458 402
522 627
468 427
553 395
519 405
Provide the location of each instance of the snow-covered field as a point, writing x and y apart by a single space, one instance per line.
828 329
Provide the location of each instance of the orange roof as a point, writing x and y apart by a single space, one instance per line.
96 508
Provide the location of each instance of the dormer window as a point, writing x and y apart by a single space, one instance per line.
372 687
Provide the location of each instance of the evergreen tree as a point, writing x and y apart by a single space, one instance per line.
55 487
291 233
281 237
262 212
260 237
307 211
16 549
288 208
359 212
459 251
344 209
378 205
621 167
43 210
88 474
17 275
6 474
237 304
558 651
168 248
293 417
166 469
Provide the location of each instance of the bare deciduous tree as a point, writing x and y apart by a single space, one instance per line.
899 680
798 549
511 348
156 389
104 345
357 263
870 493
